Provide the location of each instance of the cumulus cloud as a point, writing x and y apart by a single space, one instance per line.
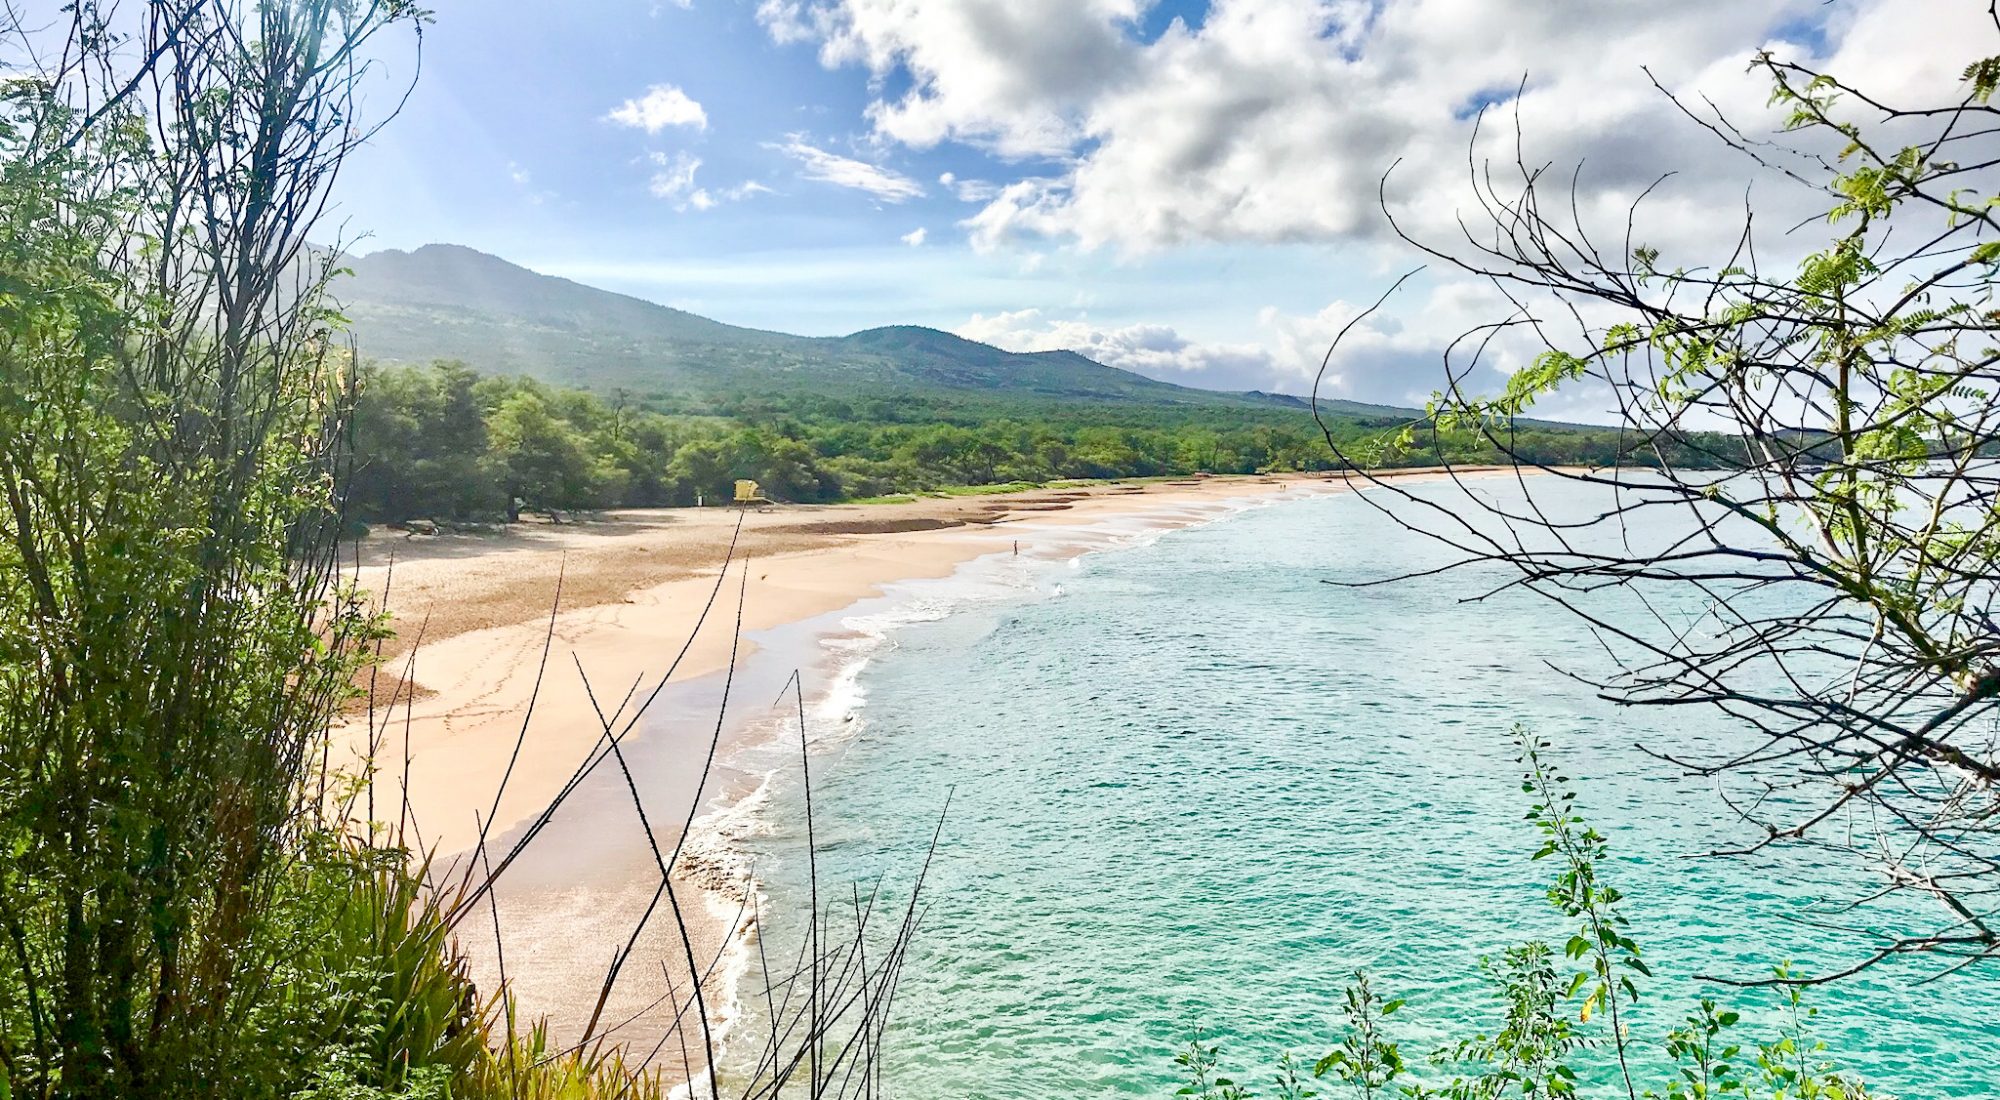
1382 357
1379 360
1013 76
662 106
1154 350
787 21
859 175
1273 120
1265 122
915 237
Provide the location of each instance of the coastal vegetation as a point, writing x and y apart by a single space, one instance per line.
195 901
483 383
185 913
444 443
198 895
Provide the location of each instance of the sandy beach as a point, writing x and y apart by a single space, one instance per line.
513 650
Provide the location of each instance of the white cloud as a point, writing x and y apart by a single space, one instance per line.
673 177
1023 208
1010 75
969 190
915 237
673 181
1155 350
662 106
1273 120
1380 359
818 164
525 180
787 21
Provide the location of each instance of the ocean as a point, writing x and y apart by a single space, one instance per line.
1194 786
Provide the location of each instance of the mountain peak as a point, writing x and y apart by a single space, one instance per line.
437 248
438 254
913 336
447 301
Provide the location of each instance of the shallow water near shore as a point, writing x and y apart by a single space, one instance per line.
572 899
1191 783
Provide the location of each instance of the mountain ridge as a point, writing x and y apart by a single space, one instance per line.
447 301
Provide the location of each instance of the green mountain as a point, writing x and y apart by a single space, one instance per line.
451 302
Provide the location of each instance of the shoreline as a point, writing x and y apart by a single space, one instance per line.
581 887
837 649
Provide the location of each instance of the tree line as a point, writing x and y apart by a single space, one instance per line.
443 442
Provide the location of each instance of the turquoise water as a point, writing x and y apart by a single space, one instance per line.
1192 782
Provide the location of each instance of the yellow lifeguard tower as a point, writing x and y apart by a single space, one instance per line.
748 492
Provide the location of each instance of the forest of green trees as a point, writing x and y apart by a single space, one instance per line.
443 442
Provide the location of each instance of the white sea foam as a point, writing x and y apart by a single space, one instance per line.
836 697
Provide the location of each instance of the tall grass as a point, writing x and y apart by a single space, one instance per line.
187 907
379 968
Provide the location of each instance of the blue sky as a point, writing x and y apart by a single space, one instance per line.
506 146
1178 188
